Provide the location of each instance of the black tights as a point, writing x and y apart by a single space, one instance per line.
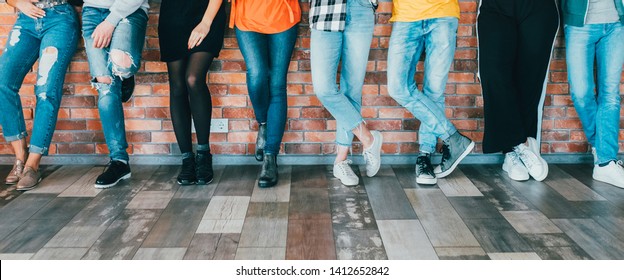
190 97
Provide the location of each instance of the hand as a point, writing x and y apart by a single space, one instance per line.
29 9
102 35
198 34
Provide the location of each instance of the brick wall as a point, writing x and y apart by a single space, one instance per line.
310 127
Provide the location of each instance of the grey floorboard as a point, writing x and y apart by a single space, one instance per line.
213 246
266 225
474 208
443 225
31 236
387 198
497 236
237 180
177 224
314 176
309 203
61 208
499 193
594 239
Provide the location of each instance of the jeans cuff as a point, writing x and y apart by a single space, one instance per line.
427 148
13 138
203 147
343 144
38 150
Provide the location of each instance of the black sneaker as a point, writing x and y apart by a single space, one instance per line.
127 89
204 168
115 172
187 173
424 171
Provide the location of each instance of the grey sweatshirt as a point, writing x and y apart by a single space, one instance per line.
119 9
602 11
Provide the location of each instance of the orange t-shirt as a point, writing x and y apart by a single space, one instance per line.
265 16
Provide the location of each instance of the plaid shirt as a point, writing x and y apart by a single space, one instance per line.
330 15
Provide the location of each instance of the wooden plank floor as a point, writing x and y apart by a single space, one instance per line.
477 213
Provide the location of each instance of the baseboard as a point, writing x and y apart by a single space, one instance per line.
560 158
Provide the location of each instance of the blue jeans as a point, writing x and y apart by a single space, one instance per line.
598 110
267 57
53 40
352 46
128 39
408 40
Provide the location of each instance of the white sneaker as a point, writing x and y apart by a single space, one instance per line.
531 158
515 168
372 155
612 174
343 171
595 154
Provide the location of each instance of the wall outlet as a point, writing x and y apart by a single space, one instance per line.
216 125
219 125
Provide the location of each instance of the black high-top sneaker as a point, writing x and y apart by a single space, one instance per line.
204 168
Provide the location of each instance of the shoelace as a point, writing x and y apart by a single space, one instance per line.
446 154
345 168
620 163
423 167
515 159
368 156
524 156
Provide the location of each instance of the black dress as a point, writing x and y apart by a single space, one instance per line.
177 20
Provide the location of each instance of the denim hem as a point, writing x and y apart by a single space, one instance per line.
606 161
427 148
343 144
13 138
38 150
203 147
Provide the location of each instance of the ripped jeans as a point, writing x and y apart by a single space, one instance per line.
120 60
51 39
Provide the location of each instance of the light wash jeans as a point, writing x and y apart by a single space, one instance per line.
51 39
352 46
598 110
437 38
128 37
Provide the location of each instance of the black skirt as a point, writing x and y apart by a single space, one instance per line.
177 20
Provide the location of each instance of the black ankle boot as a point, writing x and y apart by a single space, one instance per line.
268 175
204 168
187 173
260 141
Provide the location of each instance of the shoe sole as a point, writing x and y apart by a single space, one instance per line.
348 185
605 180
200 182
10 183
29 188
426 181
186 183
456 163
540 177
372 174
266 185
519 179
127 176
